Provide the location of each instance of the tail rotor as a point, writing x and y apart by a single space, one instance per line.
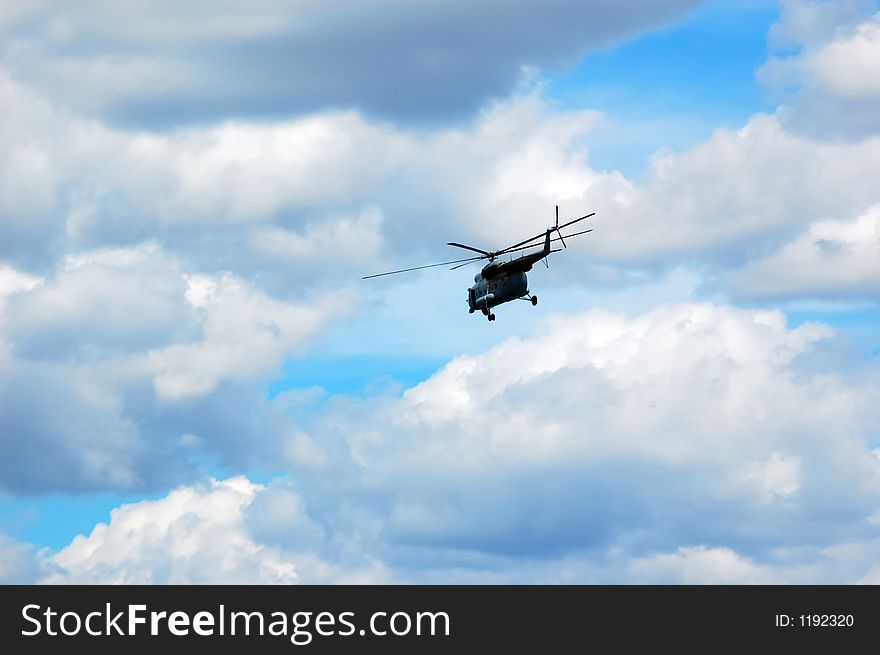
556 227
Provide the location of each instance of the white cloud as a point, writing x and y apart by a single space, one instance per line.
19 564
247 171
194 535
606 434
117 299
775 478
735 190
113 330
844 64
699 387
279 515
83 184
688 444
323 197
701 565
111 185
832 83
832 258
12 281
186 330
245 335
850 66
810 21
356 239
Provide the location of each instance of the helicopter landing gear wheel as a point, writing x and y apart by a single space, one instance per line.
534 300
491 317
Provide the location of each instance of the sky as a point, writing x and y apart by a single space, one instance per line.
196 385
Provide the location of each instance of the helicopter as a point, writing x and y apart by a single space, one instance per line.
503 281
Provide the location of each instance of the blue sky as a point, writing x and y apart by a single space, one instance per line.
189 204
674 86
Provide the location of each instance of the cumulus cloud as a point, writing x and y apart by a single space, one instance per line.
814 21
690 426
193 535
685 424
279 515
78 183
613 382
157 271
74 181
848 67
193 329
390 58
334 195
833 80
19 564
701 565
113 299
347 242
134 351
12 282
832 259
687 444
321 189
740 188
244 336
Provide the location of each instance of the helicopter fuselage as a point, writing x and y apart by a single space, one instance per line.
490 292
503 281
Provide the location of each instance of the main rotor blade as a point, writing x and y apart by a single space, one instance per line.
543 234
535 245
574 234
559 238
418 268
516 245
575 221
461 245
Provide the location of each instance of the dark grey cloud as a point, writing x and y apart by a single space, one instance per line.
412 62
67 429
61 431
